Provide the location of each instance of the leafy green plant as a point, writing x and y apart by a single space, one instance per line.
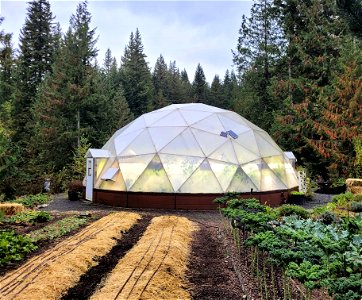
343 199
30 217
14 247
31 201
356 206
289 209
57 229
328 217
346 288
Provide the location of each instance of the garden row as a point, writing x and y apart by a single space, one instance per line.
320 250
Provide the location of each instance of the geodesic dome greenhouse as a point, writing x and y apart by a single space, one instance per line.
191 148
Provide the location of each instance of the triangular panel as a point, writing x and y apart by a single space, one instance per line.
270 181
153 179
184 144
229 124
154 116
142 144
209 142
172 119
241 183
225 153
224 172
243 155
117 182
179 168
252 170
265 147
277 165
203 180
210 124
291 175
135 125
161 136
132 167
192 117
123 140
247 140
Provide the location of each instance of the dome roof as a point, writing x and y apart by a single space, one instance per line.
193 148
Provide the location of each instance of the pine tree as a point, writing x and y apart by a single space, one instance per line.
186 87
37 50
199 86
216 93
136 77
160 79
351 10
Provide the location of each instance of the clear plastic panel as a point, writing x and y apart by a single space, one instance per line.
241 183
153 179
197 107
243 155
203 180
210 124
179 168
118 183
135 125
265 147
132 167
110 173
161 136
225 153
224 172
123 140
253 171
239 119
184 144
209 142
192 117
291 175
142 144
269 181
230 124
154 116
267 138
100 166
172 119
277 165
247 140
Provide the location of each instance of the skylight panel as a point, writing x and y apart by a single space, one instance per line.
232 134
109 174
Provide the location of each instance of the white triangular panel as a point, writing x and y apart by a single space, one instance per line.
224 172
270 181
142 144
135 126
133 167
183 144
253 171
241 183
192 117
172 119
154 116
161 136
179 168
277 165
225 153
123 140
243 155
247 140
210 124
265 148
209 142
229 124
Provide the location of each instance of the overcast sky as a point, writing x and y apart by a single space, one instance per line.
189 32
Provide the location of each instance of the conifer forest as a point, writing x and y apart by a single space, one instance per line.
297 74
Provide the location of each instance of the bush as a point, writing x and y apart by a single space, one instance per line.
75 190
343 199
30 217
31 201
14 247
356 206
289 209
328 218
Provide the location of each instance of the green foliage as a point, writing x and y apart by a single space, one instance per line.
343 199
357 164
307 273
289 210
14 247
328 217
356 206
33 200
30 217
346 288
57 229
200 87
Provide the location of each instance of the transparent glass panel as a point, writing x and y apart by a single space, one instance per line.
225 153
269 181
192 117
202 180
135 125
154 116
210 124
153 179
142 144
172 119
224 172
266 148
230 124
277 165
179 168
161 136
209 142
241 183
184 144
247 140
252 170
243 155
123 140
132 167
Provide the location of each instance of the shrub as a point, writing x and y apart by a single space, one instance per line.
328 218
343 199
356 206
289 209
14 247
30 217
75 190
11 208
33 200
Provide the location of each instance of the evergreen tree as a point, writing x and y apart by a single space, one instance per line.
36 56
160 78
351 10
186 87
199 86
230 90
216 93
136 76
